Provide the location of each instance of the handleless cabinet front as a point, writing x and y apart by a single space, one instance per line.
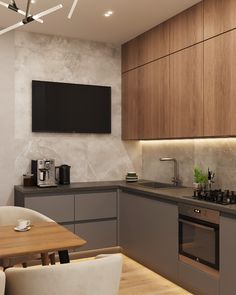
60 207
90 206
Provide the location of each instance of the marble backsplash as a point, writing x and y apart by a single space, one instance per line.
217 154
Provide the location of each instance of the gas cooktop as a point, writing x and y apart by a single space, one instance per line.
216 196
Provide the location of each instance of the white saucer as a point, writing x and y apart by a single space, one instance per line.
22 229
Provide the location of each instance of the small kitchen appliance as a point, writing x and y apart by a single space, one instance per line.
44 172
64 174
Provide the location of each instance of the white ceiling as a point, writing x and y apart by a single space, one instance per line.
130 18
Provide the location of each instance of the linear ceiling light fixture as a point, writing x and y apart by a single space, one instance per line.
72 8
28 18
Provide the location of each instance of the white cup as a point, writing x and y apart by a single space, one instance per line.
23 223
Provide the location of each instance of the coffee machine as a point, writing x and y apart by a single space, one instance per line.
44 172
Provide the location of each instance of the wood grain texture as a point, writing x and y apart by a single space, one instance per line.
220 85
130 54
43 237
154 92
130 105
186 93
186 28
154 43
219 17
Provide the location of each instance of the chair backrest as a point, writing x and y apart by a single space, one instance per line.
2 283
10 214
97 276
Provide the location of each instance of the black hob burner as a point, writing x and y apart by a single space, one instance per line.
216 196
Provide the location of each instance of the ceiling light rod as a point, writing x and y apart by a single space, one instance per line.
72 9
27 9
31 18
13 7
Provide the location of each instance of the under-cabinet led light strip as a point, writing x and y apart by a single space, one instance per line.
31 18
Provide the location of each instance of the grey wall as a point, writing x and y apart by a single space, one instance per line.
41 57
7 56
218 154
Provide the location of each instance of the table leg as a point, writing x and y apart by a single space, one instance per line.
64 256
45 258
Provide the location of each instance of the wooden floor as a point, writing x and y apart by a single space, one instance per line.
138 280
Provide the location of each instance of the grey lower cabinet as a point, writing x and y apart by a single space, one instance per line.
148 232
96 219
227 255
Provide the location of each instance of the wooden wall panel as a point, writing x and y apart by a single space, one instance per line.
130 55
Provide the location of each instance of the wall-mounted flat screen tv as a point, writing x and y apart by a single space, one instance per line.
69 108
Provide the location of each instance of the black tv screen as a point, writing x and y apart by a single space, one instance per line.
63 107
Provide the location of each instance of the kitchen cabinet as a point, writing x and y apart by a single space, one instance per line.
219 17
197 281
219 85
91 214
58 207
130 54
186 28
145 48
227 254
149 232
130 105
154 44
98 234
186 93
153 100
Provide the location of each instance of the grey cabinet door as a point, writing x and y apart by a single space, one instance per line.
60 207
95 205
227 255
149 232
197 281
100 234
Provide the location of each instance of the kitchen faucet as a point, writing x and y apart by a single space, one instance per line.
175 179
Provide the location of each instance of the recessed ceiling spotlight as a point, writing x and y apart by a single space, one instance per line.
108 13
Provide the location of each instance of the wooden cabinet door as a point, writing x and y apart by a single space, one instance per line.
149 232
130 105
219 17
154 44
186 28
154 95
220 85
186 93
130 54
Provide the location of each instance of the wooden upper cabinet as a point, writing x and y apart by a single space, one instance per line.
186 93
130 54
220 85
154 43
154 94
219 17
186 28
130 105
145 48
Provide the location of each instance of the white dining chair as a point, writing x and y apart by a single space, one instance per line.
9 215
97 276
2 282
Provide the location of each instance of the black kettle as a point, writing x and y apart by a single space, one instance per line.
64 174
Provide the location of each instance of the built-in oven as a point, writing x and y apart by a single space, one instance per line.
199 235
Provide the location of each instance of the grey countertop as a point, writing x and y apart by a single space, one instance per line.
173 194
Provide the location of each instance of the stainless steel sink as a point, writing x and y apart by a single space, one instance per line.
154 184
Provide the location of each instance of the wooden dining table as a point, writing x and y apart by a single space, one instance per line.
42 238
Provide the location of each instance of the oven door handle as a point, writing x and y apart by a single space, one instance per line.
196 224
